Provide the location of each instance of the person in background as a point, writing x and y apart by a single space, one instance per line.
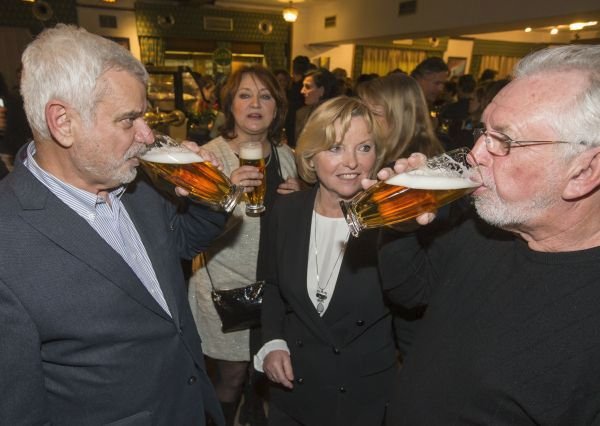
14 129
487 76
318 86
206 117
295 99
327 333
94 317
431 74
284 79
455 118
254 106
512 323
397 102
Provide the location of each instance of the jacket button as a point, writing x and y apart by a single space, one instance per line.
342 389
299 343
336 350
360 323
192 380
181 331
300 380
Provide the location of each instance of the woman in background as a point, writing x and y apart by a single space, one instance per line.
398 104
318 86
254 107
328 341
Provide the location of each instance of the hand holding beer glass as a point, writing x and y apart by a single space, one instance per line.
176 164
405 196
251 154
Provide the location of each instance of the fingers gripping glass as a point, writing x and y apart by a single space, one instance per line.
497 143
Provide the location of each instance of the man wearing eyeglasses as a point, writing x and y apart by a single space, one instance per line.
511 335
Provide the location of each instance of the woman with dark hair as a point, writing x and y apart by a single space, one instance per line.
254 108
327 333
318 86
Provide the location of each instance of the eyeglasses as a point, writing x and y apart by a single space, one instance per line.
497 143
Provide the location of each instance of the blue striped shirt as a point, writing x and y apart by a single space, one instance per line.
107 215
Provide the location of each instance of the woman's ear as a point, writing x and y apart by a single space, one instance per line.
58 119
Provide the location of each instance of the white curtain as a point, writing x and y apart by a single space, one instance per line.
381 60
503 64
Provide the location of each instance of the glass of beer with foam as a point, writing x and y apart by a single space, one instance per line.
439 181
251 154
173 162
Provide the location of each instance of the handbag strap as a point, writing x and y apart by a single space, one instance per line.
207 271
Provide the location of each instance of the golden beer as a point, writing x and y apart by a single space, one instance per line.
251 154
181 167
405 196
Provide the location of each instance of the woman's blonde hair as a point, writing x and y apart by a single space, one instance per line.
406 113
319 133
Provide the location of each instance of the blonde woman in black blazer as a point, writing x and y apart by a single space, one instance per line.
328 343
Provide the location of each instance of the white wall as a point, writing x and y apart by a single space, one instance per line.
339 57
89 18
460 49
379 18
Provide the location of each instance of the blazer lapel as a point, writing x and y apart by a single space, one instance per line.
304 306
158 261
59 223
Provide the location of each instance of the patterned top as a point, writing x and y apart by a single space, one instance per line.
232 263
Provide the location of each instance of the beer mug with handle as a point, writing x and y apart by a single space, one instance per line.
173 162
439 181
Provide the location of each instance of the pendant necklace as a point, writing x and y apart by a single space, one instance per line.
321 293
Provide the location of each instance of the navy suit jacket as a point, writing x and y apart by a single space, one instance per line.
344 362
82 342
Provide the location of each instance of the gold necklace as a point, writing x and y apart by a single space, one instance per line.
321 293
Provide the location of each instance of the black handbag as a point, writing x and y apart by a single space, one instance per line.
238 308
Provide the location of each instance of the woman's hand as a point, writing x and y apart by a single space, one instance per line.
247 176
278 368
289 186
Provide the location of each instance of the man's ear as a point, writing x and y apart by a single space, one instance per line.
58 119
585 175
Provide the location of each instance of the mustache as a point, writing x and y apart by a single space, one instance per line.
136 150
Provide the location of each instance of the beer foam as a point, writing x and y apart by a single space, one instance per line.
251 152
171 155
424 181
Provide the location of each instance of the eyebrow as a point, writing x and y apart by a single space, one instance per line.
129 114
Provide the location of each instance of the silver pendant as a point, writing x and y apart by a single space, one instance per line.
320 308
321 295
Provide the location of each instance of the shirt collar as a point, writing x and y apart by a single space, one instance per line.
83 202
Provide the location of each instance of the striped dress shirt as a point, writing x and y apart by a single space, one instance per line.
107 215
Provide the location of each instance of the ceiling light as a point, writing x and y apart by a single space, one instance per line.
528 29
575 26
290 13
554 31
109 1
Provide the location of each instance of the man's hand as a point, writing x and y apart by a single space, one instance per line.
289 186
206 156
403 165
278 368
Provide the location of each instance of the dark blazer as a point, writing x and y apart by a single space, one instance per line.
82 342
345 362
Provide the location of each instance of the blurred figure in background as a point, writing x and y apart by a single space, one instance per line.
431 74
14 128
398 104
318 86
295 100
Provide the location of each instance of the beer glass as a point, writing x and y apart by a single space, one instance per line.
173 162
251 154
439 181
